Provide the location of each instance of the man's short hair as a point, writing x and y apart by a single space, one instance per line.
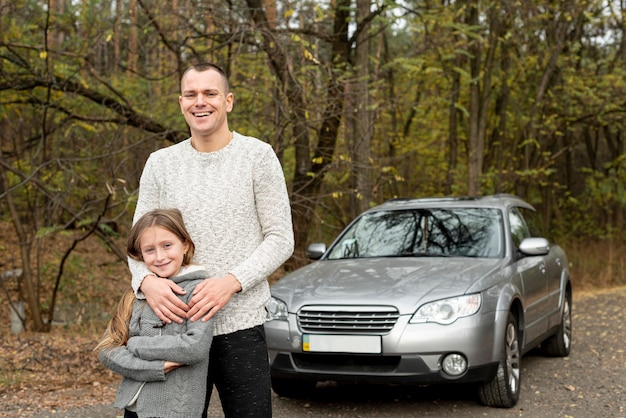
205 66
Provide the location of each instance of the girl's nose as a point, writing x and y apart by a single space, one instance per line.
160 254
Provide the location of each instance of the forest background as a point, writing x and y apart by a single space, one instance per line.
362 100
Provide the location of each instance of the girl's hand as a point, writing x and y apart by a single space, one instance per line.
170 365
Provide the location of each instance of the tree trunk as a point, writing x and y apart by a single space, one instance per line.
30 291
475 143
133 49
117 38
453 137
359 115
309 170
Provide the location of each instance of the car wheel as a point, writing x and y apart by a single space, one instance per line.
559 344
503 390
293 388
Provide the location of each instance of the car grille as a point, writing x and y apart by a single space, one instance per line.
348 319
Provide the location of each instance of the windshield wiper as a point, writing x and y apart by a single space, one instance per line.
417 254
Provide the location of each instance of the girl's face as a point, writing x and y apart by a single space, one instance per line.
162 251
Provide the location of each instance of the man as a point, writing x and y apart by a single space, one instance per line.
231 191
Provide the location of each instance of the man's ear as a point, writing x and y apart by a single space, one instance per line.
230 99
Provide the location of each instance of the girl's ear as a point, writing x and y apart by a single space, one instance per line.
185 251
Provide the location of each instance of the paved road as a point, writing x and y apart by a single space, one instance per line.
591 382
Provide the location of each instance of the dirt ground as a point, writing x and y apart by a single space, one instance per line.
60 377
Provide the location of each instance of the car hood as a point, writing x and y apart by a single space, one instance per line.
405 282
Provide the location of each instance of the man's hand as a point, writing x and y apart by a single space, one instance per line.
161 296
212 295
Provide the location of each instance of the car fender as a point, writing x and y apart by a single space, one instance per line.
555 318
508 300
565 282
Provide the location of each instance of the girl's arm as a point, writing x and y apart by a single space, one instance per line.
123 362
187 348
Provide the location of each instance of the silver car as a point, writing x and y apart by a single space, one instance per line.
425 291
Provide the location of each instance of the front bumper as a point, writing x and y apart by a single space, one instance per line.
411 353
345 368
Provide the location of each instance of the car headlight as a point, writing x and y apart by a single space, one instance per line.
276 309
446 311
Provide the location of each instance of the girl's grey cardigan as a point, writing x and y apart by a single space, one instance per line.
179 393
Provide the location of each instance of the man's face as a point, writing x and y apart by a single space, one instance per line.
204 102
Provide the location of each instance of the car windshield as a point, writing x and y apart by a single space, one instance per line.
456 232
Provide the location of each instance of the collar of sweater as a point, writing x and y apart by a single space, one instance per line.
190 272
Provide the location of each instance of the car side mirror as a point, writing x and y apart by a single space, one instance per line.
534 246
316 250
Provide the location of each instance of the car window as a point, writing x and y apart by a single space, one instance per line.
465 232
536 227
519 230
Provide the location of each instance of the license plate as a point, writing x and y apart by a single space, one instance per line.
370 344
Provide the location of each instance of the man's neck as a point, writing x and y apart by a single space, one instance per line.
211 143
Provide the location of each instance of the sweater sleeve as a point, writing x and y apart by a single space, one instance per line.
147 200
189 347
274 212
122 361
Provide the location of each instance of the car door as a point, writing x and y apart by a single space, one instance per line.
532 270
553 261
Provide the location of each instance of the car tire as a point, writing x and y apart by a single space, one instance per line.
293 388
560 343
504 389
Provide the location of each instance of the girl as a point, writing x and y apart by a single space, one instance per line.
164 366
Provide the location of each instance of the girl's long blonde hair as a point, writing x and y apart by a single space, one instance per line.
117 332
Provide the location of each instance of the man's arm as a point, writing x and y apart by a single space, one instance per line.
160 294
274 213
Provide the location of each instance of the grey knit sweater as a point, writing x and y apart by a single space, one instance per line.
236 207
145 387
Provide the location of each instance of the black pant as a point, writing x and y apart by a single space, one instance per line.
239 369
130 414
